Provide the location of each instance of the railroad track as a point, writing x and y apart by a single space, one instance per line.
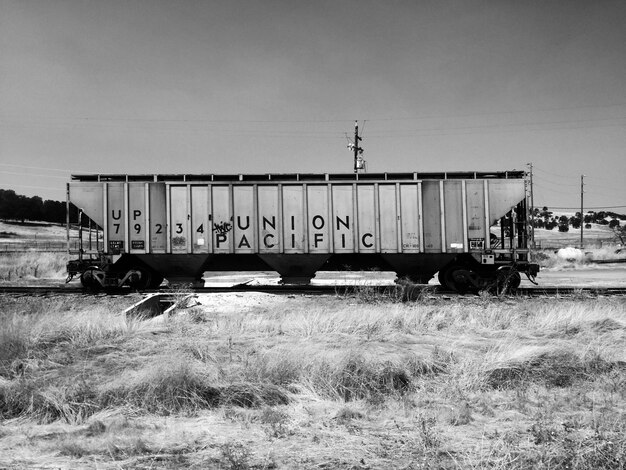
412 292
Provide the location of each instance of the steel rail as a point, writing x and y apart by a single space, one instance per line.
416 291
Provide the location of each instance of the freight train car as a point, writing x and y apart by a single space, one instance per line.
471 228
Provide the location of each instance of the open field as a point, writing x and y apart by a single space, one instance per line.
32 267
260 381
596 236
37 236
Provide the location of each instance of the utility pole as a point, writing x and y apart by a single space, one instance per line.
532 209
582 218
358 161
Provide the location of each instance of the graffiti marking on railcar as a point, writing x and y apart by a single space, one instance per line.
222 228
179 241
221 232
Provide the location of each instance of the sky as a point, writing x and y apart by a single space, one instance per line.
275 86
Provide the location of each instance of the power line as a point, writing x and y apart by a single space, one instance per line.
114 123
30 174
222 131
34 167
407 133
553 174
500 127
541 178
545 188
500 113
578 208
308 121
38 187
600 178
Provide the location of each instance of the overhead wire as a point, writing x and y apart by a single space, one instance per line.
547 181
374 119
122 123
35 167
37 187
496 128
547 188
594 208
30 174
556 175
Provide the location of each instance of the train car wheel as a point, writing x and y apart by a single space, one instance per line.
456 277
140 278
90 277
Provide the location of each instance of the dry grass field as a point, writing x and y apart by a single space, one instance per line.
256 381
23 267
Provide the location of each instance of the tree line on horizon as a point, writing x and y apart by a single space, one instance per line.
22 208
545 218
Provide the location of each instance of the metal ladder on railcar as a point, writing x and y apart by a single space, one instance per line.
77 244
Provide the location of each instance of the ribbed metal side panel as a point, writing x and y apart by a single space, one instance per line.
388 217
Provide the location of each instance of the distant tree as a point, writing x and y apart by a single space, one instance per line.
574 222
550 225
22 209
545 213
614 223
53 211
35 208
19 207
8 202
563 227
589 217
587 225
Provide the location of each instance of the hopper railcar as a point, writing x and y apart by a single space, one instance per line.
471 228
